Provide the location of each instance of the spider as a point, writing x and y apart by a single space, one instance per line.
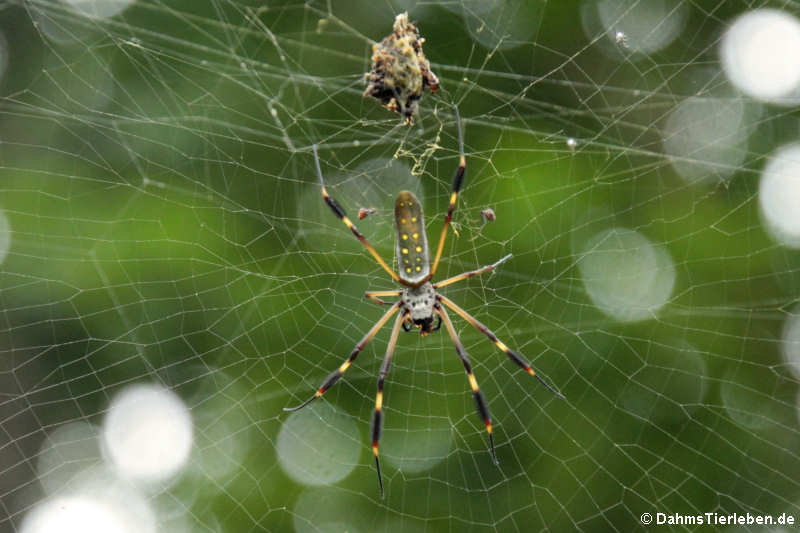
419 301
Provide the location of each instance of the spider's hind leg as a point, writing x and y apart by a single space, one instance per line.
458 181
341 215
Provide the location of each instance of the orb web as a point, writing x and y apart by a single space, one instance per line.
161 226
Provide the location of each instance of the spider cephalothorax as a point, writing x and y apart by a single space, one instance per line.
420 301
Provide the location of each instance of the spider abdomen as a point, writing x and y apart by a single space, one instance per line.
413 262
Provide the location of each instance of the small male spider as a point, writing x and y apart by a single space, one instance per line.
420 300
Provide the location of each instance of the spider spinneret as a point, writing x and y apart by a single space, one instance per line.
419 301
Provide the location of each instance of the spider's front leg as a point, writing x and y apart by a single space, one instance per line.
377 416
480 402
514 356
334 376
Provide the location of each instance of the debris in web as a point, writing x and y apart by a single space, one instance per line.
364 212
488 215
400 72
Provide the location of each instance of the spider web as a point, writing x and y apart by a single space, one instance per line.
162 225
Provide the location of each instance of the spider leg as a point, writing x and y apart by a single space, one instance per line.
483 410
375 296
339 212
472 273
377 416
458 180
514 356
334 376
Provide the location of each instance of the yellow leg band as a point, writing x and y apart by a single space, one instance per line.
472 382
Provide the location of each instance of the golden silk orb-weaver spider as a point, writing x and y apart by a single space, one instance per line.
419 301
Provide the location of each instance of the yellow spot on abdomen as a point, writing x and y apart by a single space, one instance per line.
379 401
344 366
